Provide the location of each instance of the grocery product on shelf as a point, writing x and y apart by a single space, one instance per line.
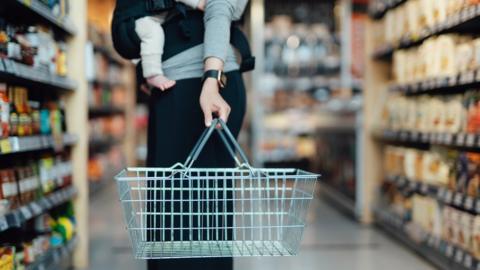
43 235
443 114
443 56
455 226
26 181
33 45
412 17
23 116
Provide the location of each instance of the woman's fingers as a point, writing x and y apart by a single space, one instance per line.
224 112
207 112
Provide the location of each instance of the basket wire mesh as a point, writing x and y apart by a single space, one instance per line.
185 212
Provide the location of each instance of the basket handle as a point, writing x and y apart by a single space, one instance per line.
227 138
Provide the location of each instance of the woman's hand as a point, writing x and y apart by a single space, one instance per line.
212 102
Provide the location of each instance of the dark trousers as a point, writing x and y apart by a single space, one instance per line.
175 123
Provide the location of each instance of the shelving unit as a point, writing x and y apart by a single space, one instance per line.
442 194
56 258
17 217
463 20
40 12
388 194
68 27
24 75
466 141
442 254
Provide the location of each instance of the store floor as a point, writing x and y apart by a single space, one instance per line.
331 241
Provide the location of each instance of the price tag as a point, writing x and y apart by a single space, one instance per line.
460 139
15 144
424 137
424 188
470 139
36 208
448 196
441 194
468 203
414 136
3 223
467 261
458 199
5 146
27 214
449 251
56 256
459 256
477 206
448 138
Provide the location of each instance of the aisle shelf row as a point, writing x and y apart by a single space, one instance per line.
17 217
378 8
14 72
442 194
463 18
55 258
460 81
106 84
442 254
38 9
104 111
103 144
13 145
469 141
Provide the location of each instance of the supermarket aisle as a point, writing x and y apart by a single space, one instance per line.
109 243
331 241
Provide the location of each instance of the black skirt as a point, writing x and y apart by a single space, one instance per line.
175 123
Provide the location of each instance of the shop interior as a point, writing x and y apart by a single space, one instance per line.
379 98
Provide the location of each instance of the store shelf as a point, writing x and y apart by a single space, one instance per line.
106 84
442 194
467 141
14 145
103 144
35 8
17 217
434 85
18 73
104 111
439 252
55 258
464 19
377 9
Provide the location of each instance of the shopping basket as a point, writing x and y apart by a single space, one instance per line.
187 212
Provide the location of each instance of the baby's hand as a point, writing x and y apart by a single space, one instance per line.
201 5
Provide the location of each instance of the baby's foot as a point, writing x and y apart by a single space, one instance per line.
161 82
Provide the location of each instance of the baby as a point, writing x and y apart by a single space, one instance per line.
152 37
150 32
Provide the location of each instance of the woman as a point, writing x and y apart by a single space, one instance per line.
179 115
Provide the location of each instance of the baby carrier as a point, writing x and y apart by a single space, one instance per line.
183 28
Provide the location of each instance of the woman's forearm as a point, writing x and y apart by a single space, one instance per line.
213 63
218 19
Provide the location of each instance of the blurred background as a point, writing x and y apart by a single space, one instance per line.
380 97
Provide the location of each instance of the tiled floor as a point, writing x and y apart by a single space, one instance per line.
331 242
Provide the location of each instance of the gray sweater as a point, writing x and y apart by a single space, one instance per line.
219 15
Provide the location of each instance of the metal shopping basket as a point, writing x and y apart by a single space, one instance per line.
186 212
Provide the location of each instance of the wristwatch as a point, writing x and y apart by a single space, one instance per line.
216 74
